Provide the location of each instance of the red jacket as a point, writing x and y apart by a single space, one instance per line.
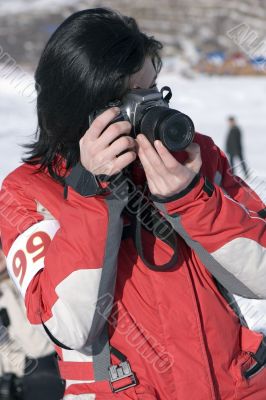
177 330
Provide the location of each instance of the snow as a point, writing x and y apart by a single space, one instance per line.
18 122
208 101
22 6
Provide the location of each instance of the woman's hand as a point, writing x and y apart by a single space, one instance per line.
165 175
100 147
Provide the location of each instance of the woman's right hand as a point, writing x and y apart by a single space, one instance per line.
100 147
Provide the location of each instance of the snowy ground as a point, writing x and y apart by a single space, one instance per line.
17 6
207 100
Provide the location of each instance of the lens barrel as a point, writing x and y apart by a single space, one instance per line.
175 129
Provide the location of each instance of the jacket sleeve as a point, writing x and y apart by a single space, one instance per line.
65 268
220 222
237 188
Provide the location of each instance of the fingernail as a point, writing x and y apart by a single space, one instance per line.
116 110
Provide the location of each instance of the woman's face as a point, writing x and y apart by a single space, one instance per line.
144 78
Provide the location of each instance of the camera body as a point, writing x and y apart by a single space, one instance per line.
11 387
149 113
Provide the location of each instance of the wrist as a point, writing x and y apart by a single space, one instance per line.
85 183
180 194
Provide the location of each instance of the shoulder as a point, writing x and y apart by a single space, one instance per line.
26 175
30 184
204 141
209 150
15 204
26 198
18 178
210 154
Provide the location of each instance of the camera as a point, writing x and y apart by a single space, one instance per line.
149 113
11 387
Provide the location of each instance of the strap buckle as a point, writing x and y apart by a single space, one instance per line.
120 372
260 358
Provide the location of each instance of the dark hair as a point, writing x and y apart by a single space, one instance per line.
85 65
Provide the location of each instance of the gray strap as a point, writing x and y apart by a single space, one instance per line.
231 302
101 356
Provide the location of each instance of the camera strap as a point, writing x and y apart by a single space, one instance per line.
152 221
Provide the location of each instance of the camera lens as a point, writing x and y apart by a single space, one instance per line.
176 131
173 128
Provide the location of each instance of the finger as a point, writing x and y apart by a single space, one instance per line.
149 169
113 132
194 160
144 160
118 146
123 161
100 123
168 159
153 178
151 155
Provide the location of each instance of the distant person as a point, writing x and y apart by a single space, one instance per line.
234 146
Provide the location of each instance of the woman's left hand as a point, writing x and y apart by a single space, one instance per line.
165 175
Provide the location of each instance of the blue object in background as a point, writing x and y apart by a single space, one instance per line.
216 57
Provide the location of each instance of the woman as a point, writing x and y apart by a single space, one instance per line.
123 328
